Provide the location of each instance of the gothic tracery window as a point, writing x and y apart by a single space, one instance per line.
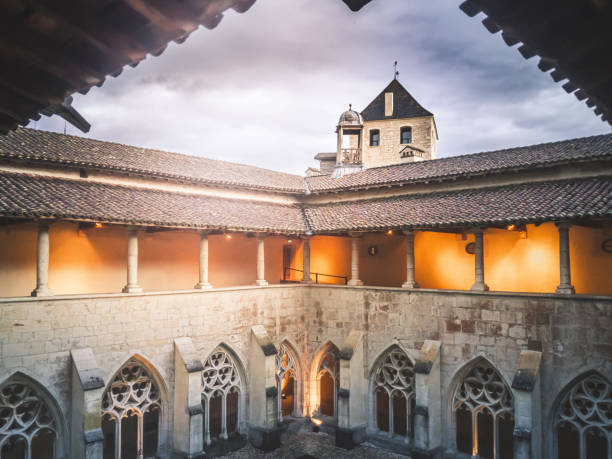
28 428
220 396
286 377
328 376
394 394
484 414
583 422
131 409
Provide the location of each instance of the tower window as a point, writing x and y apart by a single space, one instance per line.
374 138
406 135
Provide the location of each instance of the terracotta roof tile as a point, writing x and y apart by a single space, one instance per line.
532 202
29 196
66 150
546 154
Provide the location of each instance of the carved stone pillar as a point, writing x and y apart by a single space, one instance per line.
187 435
42 262
203 284
86 436
261 261
565 285
410 280
526 385
479 284
355 246
132 263
428 412
306 260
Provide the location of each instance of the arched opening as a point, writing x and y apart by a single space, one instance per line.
131 408
286 381
582 422
394 374
484 413
327 391
221 389
29 427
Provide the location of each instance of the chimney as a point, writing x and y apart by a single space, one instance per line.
388 104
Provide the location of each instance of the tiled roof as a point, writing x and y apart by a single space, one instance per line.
29 196
531 202
404 105
53 148
546 154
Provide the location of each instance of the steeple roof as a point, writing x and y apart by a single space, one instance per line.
404 105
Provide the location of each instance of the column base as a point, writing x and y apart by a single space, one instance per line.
412 284
349 438
479 287
202 286
131 289
306 281
265 439
355 282
418 453
565 290
42 291
261 282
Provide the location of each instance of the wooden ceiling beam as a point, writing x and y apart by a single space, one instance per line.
170 17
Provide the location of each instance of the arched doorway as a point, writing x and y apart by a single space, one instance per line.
583 420
483 408
29 421
287 381
327 371
131 413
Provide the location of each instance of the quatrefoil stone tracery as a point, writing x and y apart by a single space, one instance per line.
220 374
133 388
396 373
484 387
284 362
588 404
23 413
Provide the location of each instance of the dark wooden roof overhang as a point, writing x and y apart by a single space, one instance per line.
50 49
571 38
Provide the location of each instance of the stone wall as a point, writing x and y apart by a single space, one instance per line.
387 153
574 333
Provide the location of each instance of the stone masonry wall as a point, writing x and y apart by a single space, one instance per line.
387 152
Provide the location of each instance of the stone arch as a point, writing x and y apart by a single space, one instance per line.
320 368
290 365
224 388
479 390
583 407
135 393
404 385
28 412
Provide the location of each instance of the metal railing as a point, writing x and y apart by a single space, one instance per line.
316 275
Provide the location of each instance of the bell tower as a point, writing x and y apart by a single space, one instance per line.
349 148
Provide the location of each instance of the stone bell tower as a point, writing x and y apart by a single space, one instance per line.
349 149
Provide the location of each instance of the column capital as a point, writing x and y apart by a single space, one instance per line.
563 224
408 232
356 234
476 230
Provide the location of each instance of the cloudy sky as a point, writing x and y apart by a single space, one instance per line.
267 87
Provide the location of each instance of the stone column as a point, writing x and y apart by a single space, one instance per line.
203 283
306 261
187 435
261 261
132 263
479 284
355 246
565 286
410 281
527 414
428 411
42 262
86 436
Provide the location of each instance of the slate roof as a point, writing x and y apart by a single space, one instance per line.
65 150
30 196
404 105
454 167
531 202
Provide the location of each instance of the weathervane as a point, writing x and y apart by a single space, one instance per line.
395 72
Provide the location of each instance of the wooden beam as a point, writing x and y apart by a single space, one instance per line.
170 17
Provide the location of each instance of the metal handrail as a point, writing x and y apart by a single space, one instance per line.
316 275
